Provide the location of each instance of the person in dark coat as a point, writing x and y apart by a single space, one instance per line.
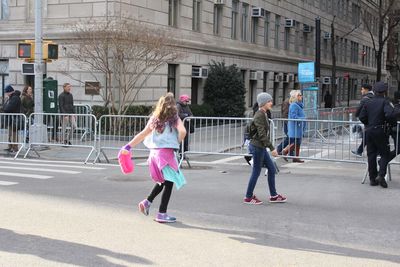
12 105
367 94
184 112
66 106
27 102
375 115
328 99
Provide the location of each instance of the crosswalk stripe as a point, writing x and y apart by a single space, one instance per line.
7 183
25 175
50 165
39 169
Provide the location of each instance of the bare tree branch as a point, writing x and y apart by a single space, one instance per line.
126 52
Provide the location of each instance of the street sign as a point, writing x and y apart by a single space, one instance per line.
306 72
28 69
92 88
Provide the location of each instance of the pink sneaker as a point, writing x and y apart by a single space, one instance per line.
277 199
252 200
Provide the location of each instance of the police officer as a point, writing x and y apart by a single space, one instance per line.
375 115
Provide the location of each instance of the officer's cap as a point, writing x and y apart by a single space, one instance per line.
380 87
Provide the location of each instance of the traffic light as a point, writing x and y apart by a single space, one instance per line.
26 50
50 51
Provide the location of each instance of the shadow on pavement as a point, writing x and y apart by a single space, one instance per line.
62 251
294 243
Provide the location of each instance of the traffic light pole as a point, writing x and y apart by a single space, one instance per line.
38 131
38 60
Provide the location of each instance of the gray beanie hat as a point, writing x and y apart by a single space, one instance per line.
263 98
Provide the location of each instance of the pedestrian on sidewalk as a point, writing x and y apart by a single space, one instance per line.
295 127
184 112
285 114
27 105
328 99
12 105
66 106
259 134
367 94
162 135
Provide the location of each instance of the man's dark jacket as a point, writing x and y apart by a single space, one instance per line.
66 103
365 98
13 105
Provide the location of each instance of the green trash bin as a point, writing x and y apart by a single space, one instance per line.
50 95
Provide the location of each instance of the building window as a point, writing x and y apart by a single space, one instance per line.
305 43
266 30
287 38
235 14
325 48
322 5
355 14
173 13
3 9
217 19
171 87
196 15
277 29
254 29
297 38
245 17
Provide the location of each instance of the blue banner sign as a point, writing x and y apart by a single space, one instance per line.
306 72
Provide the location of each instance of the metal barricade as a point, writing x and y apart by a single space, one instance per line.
83 123
13 131
396 156
324 146
55 129
117 130
217 135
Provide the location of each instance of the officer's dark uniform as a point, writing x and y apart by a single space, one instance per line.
375 114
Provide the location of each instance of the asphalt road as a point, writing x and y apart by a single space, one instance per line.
70 214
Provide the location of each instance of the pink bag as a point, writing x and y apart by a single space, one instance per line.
125 161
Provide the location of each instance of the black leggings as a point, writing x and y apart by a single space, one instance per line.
167 185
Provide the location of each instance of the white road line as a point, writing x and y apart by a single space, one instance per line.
25 175
39 169
226 159
8 183
50 165
65 161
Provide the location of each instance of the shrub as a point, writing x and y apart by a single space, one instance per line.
204 110
224 90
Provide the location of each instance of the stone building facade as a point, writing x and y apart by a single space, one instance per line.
266 39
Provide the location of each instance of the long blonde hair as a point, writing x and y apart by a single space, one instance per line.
165 111
293 96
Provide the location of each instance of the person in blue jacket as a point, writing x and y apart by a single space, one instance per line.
295 127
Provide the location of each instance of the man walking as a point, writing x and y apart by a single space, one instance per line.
66 105
367 94
375 115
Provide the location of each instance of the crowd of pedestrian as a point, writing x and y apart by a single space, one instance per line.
17 103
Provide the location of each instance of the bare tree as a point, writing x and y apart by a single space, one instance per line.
387 20
334 42
125 52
